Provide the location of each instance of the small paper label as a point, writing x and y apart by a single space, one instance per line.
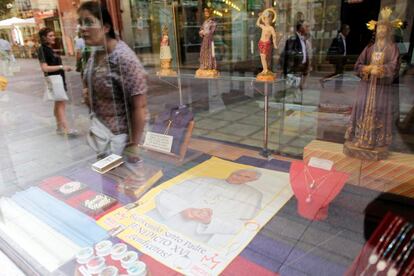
157 141
324 164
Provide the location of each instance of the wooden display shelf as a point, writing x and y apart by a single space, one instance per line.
384 175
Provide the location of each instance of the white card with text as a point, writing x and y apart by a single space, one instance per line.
159 142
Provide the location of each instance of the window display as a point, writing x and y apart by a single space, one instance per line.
218 137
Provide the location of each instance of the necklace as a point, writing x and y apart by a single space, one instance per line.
382 264
397 240
402 258
385 238
401 241
313 187
408 249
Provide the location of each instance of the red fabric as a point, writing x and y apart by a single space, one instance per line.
265 47
157 268
51 184
238 267
325 192
243 267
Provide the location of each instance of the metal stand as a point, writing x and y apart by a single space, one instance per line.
265 151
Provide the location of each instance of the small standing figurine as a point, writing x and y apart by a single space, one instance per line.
370 130
208 66
165 55
265 43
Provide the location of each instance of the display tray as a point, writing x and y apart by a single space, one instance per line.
288 244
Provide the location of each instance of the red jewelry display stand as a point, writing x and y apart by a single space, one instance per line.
315 189
389 251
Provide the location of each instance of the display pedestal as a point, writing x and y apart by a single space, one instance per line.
365 154
268 76
166 73
314 197
207 73
166 70
382 175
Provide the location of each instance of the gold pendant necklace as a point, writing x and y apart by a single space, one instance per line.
313 187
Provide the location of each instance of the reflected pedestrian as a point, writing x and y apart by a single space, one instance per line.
337 55
51 64
296 55
117 86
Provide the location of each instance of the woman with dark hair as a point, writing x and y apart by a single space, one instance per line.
51 64
116 83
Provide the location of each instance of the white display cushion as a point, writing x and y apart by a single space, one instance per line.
46 246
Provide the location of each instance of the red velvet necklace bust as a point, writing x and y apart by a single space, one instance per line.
315 188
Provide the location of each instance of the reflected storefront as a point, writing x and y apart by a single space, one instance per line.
190 158
235 47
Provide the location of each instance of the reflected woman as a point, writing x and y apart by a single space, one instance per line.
51 64
116 81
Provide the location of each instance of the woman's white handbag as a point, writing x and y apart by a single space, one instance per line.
102 140
55 89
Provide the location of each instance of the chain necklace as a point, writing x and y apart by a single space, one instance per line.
402 258
383 264
313 187
382 243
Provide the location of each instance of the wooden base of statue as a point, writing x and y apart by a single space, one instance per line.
207 73
266 76
383 175
166 70
166 73
365 154
185 155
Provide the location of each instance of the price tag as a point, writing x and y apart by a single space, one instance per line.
159 142
324 164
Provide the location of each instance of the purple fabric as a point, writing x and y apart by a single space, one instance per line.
100 183
310 264
174 121
280 257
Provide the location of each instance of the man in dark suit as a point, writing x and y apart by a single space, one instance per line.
296 55
337 53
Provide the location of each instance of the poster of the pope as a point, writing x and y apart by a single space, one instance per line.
199 221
